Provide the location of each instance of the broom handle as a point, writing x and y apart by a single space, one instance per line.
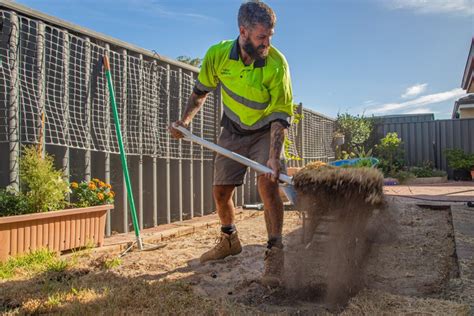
229 154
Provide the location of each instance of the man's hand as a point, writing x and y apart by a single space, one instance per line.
176 133
275 165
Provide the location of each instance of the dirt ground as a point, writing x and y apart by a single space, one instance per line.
408 269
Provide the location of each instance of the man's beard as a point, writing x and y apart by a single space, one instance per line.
256 53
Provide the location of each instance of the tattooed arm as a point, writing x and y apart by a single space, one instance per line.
195 102
278 133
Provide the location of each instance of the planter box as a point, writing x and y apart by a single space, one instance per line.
56 230
428 180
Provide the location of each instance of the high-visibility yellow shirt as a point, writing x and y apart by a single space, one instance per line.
253 95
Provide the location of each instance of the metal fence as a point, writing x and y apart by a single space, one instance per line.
427 140
51 75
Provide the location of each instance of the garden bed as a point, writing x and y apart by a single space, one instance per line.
427 180
56 230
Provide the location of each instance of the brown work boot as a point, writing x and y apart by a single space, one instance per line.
227 245
274 264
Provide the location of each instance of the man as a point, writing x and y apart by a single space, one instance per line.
258 105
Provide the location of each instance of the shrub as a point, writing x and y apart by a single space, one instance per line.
95 192
458 159
13 203
356 130
403 175
426 170
43 185
390 153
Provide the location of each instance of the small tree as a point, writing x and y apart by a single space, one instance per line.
356 130
196 62
43 185
390 153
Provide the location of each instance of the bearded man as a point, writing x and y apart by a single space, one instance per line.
258 105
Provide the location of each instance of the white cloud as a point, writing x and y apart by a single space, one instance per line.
158 9
420 111
415 90
462 7
421 101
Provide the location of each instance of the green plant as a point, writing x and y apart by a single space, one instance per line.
458 159
361 153
13 203
363 163
426 170
390 153
287 143
95 192
112 263
356 130
403 175
43 185
37 261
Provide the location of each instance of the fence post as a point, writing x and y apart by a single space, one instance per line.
191 164
155 106
140 142
66 103
124 134
88 109
108 145
14 137
301 133
168 149
180 147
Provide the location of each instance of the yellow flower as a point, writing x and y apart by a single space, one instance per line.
108 186
92 186
100 196
74 185
101 184
110 194
96 180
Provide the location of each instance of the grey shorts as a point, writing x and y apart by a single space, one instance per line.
254 146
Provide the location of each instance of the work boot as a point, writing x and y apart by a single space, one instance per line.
227 245
274 264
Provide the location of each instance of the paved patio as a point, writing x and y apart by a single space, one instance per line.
462 191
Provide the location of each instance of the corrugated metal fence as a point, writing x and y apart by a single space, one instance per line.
53 70
427 140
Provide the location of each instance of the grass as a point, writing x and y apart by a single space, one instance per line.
37 261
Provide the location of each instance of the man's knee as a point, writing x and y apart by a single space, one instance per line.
223 193
267 186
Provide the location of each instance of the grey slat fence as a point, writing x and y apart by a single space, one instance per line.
53 68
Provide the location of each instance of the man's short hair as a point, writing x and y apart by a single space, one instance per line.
254 12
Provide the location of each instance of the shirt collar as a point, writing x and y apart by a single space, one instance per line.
234 55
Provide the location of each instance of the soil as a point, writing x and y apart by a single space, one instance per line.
411 253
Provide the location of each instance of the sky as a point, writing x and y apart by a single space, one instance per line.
364 57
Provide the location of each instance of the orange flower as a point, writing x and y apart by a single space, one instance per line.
110 194
96 180
101 184
100 196
108 186
92 186
74 185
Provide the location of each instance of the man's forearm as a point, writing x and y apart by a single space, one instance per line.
195 102
278 133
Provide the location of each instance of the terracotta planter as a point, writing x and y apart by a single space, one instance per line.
57 230
472 175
